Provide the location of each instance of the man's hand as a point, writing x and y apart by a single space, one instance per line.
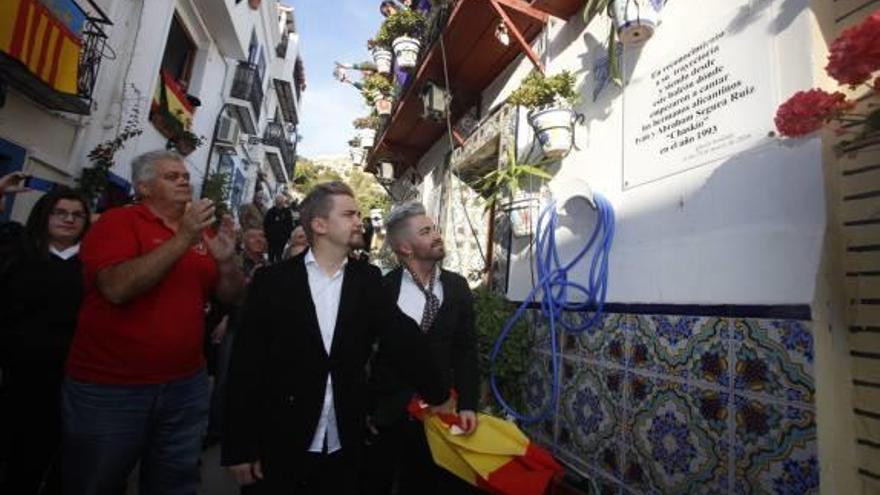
447 407
196 218
247 473
467 421
222 245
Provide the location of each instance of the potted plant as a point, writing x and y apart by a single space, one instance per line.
491 312
852 62
633 24
186 142
521 206
382 56
366 130
400 31
377 91
549 101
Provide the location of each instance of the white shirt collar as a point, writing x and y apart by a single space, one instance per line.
409 278
310 260
67 253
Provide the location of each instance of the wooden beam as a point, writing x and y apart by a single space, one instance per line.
523 44
525 8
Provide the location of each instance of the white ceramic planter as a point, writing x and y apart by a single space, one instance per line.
383 106
406 51
553 128
382 59
367 137
523 212
635 20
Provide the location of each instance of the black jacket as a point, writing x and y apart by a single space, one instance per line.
38 311
279 367
453 344
278 224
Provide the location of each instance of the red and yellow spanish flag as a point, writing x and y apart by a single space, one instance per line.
497 457
170 102
44 35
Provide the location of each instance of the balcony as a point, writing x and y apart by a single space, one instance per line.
247 91
474 58
275 137
229 24
36 72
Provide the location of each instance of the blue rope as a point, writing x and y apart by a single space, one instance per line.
558 293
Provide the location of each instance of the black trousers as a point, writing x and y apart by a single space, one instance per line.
400 458
330 474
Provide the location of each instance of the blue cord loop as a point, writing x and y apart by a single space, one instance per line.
559 294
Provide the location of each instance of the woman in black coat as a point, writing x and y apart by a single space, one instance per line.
41 287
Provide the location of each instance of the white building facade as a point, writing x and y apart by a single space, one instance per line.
229 70
729 360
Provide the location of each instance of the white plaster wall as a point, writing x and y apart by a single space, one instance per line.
745 230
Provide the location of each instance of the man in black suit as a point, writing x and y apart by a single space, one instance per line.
297 395
278 224
440 302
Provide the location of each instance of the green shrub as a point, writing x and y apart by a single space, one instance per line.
537 90
404 23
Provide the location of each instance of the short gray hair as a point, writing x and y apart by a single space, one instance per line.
143 167
398 220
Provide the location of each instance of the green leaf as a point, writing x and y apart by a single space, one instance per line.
594 7
535 171
614 58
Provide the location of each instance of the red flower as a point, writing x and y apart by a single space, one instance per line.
855 55
807 111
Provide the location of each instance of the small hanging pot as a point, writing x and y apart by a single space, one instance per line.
367 137
523 212
382 59
357 154
383 105
406 51
635 20
554 129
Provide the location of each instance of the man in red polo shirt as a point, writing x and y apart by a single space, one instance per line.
136 389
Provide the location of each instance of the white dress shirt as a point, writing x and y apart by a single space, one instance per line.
412 299
326 292
67 253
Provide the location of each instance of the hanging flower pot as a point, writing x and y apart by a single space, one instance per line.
383 105
635 20
523 212
554 129
367 137
406 51
382 59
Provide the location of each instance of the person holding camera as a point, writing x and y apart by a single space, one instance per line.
136 388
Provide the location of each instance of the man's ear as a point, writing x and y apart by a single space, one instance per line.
319 225
142 189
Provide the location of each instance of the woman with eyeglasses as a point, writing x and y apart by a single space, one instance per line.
41 287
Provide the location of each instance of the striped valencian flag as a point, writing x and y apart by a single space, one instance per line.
45 36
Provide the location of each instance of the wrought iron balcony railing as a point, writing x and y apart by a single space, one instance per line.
274 135
248 85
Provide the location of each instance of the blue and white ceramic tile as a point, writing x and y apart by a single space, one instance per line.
668 404
774 358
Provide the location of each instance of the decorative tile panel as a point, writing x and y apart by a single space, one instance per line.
683 404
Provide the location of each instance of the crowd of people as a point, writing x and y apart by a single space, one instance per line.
133 340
